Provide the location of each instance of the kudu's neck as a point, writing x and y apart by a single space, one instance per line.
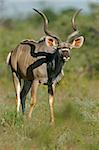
54 63
54 66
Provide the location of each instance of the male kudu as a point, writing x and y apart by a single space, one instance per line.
41 62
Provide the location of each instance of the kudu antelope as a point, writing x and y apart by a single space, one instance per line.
41 62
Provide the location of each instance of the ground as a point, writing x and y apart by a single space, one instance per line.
76 118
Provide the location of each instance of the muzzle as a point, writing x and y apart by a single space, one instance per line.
65 54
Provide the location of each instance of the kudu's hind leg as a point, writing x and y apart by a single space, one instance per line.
24 92
33 96
17 85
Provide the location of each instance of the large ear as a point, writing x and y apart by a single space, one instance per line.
50 41
78 42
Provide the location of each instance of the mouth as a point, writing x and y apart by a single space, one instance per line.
66 54
66 58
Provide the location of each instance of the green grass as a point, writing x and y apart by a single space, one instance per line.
76 120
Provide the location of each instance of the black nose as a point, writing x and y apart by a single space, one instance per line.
66 54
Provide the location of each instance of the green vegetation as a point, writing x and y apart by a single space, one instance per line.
76 97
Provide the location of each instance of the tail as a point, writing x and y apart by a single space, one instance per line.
8 58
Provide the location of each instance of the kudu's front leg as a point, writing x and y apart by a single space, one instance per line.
17 85
33 96
51 89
